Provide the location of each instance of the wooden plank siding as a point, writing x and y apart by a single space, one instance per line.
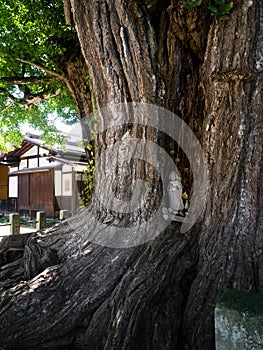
42 191
23 191
36 191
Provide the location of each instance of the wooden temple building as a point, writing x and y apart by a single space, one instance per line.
35 178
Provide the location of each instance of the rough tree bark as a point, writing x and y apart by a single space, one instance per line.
75 76
74 294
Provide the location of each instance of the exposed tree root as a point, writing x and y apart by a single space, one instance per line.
86 296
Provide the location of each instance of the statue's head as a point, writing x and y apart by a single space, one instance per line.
173 176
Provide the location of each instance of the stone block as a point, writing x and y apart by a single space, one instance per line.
239 321
14 220
64 214
41 220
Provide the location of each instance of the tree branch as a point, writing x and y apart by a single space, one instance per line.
29 98
5 91
25 80
7 107
36 98
41 67
68 12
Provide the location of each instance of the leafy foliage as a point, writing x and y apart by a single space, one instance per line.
222 9
86 194
35 42
217 7
189 5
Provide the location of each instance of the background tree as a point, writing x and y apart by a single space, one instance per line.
160 295
39 54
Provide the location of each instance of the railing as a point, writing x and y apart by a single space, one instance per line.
40 222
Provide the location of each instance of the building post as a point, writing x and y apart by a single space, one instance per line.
41 220
14 220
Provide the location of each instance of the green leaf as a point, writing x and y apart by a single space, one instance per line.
220 10
189 5
226 9
213 9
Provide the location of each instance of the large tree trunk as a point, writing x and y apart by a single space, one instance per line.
230 243
75 294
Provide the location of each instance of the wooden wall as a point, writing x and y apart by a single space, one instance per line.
36 191
23 191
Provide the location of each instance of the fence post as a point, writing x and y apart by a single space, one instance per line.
14 220
63 215
41 220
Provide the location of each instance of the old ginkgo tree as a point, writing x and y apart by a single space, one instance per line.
63 291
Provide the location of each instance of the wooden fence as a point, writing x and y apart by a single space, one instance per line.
40 222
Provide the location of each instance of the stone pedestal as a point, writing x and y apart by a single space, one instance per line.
239 321
64 214
14 220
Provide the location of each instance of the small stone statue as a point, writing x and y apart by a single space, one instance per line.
175 187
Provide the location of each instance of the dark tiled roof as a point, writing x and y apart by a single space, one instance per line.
72 151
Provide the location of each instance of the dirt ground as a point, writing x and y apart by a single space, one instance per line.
5 230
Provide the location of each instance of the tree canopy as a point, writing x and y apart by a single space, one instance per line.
35 43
